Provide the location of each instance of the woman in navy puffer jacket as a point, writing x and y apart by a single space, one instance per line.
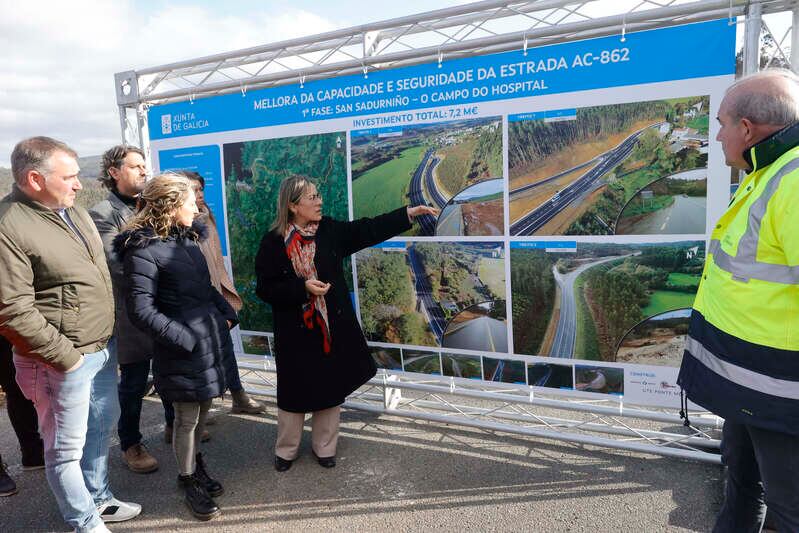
169 294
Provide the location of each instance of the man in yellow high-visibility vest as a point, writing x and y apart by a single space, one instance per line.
741 357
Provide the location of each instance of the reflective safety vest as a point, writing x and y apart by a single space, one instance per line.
741 358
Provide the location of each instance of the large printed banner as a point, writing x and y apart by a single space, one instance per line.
576 182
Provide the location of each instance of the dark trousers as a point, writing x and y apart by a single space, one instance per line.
132 386
762 470
232 378
21 411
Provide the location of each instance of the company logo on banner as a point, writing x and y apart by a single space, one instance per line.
572 228
166 124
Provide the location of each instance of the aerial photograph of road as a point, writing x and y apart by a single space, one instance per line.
421 362
425 164
504 370
481 326
388 358
476 210
601 379
574 176
579 304
566 329
675 205
462 366
409 292
549 375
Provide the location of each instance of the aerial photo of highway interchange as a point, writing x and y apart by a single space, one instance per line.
432 164
574 174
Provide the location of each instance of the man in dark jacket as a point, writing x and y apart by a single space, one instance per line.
57 309
124 174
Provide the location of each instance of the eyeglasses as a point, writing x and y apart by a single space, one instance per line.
313 197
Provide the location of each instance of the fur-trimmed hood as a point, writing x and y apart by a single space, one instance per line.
144 237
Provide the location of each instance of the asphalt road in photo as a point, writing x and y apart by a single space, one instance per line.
535 219
566 332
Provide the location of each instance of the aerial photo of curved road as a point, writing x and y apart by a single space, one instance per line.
532 221
423 191
566 333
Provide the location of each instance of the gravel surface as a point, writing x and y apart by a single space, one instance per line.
395 475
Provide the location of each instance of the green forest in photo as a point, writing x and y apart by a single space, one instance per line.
253 172
610 297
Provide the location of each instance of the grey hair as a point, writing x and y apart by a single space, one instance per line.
291 191
775 104
34 154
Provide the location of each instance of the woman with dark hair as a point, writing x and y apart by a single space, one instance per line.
320 351
169 295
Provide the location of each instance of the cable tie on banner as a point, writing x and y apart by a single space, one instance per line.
525 45
440 58
191 98
365 71
730 21
243 90
302 81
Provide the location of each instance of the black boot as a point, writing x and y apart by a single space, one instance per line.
212 486
200 503
7 485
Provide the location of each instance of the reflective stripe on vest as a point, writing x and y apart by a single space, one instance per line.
741 376
745 266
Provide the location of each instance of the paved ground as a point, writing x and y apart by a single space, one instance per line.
395 475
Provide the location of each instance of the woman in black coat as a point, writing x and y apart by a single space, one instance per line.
320 351
169 295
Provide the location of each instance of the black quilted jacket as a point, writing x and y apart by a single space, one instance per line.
169 295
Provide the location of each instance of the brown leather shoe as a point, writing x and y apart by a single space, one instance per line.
242 403
139 460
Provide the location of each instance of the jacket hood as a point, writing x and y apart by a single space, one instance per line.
144 237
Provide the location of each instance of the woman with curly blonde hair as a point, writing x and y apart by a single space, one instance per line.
169 295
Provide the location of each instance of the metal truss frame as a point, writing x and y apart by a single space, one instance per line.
488 26
511 409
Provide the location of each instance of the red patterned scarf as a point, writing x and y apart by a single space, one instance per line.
301 249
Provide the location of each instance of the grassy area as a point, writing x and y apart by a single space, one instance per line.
492 273
384 187
651 205
677 278
585 343
700 124
662 301
637 179
453 170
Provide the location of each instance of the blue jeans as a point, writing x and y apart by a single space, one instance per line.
762 469
77 413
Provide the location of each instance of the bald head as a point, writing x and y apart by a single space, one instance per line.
770 97
755 107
